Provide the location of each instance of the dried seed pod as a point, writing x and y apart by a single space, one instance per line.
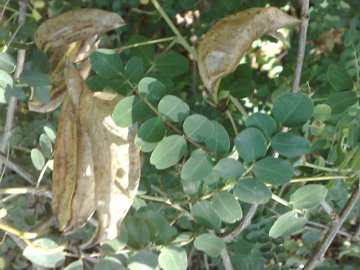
75 25
104 157
223 46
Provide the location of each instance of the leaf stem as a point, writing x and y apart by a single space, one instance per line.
319 178
181 39
145 43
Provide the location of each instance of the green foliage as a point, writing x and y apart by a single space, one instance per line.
206 159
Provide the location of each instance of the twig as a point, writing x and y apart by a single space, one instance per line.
304 16
242 225
330 234
17 168
226 259
13 100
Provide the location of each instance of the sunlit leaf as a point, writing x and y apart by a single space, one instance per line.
197 167
173 108
173 258
308 196
250 144
287 224
210 244
227 207
252 191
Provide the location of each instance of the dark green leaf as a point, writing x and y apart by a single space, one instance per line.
173 108
172 64
146 53
151 88
287 224
143 260
43 258
227 207
290 145
35 79
106 63
210 244
339 78
203 212
229 168
292 109
109 263
138 231
339 102
273 171
262 121
250 144
168 152
134 69
7 63
198 127
219 142
252 191
129 110
42 93
242 88
197 167
160 230
46 145
37 159
150 133
173 258
308 196
98 83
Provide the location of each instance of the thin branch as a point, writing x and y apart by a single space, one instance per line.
17 168
304 16
330 234
226 259
242 225
13 100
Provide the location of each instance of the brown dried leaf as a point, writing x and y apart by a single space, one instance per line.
75 25
107 161
223 46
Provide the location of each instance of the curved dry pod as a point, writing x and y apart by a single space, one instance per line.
75 25
223 46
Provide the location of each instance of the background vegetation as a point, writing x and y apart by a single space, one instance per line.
212 195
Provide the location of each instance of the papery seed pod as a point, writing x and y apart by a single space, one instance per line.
75 25
223 46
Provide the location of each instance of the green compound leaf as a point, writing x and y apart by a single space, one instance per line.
198 127
227 207
290 145
203 212
173 108
146 53
339 102
287 224
137 230
338 78
42 258
129 110
143 260
322 112
106 63
151 132
250 144
252 191
292 109
273 171
7 62
263 122
173 258
210 244
37 159
219 141
134 69
197 167
168 152
109 263
172 64
229 168
308 196
150 88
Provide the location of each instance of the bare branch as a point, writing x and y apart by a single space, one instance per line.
304 16
226 259
242 225
330 234
18 169
13 100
